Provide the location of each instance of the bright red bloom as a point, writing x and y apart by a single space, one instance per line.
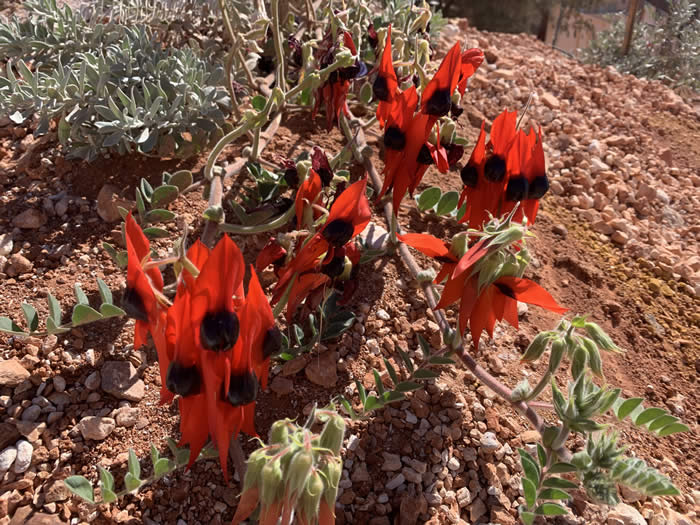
499 301
386 85
307 194
471 60
273 253
334 91
432 247
436 98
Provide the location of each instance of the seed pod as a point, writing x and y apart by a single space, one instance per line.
600 338
272 483
557 354
311 497
333 433
537 347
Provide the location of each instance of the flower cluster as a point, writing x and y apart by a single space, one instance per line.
407 127
213 341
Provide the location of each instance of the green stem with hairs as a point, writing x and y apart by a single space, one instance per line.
259 228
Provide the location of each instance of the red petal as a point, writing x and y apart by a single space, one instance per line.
529 292
467 302
471 60
510 312
309 191
347 39
452 291
446 76
476 252
352 206
247 504
272 252
427 244
503 132
301 288
482 317
403 108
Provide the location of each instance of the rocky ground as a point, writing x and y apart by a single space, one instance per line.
617 238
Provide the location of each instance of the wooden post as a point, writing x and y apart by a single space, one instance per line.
629 27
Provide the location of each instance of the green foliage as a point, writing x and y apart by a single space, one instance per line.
667 49
110 87
442 204
82 313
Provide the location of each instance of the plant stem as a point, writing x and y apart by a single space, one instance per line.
538 388
260 228
277 37
482 375
561 438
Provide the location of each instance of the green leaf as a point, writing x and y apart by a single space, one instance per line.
673 428
54 309
429 198
662 421
162 467
530 491
155 233
31 316
551 509
159 215
164 195
182 179
182 455
52 328
561 468
425 373
131 482
408 386
63 130
361 392
393 395
298 334
81 487
391 370
105 292
106 479
649 415
371 403
552 493
140 205
348 407
448 203
559 483
83 314
541 455
378 382
407 361
109 310
146 189
424 346
108 496
80 295
134 465
527 517
530 468
258 102
441 360
155 455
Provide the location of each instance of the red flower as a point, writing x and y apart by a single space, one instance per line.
273 253
335 90
386 85
471 60
499 301
307 194
436 99
432 247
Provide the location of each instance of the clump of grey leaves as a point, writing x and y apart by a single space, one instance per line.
110 87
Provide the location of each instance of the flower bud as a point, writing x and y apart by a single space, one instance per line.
447 130
272 483
521 391
579 361
423 51
333 433
298 471
581 460
256 462
549 434
459 244
421 23
397 45
279 432
303 167
557 354
594 360
600 338
509 236
311 497
332 470
344 58
366 93
536 347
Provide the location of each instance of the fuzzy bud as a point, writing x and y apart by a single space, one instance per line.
459 244
600 338
549 434
581 460
421 23
298 471
311 497
279 432
558 351
423 51
272 479
344 58
521 391
333 434
397 45
537 347
333 469
447 130
426 276
256 461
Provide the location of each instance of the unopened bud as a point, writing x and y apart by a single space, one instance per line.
272 483
344 57
366 93
397 45
594 360
557 354
298 471
459 244
447 130
303 167
581 460
509 236
311 497
521 391
549 434
600 338
423 51
421 23
256 462
332 470
356 31
536 347
579 361
426 276
279 432
333 433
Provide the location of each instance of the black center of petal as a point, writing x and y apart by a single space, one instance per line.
326 176
470 176
516 190
335 267
538 187
133 305
505 290
291 177
219 330
338 232
348 73
243 389
394 138
380 88
439 104
272 343
456 110
495 168
266 64
424 156
183 380
444 259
